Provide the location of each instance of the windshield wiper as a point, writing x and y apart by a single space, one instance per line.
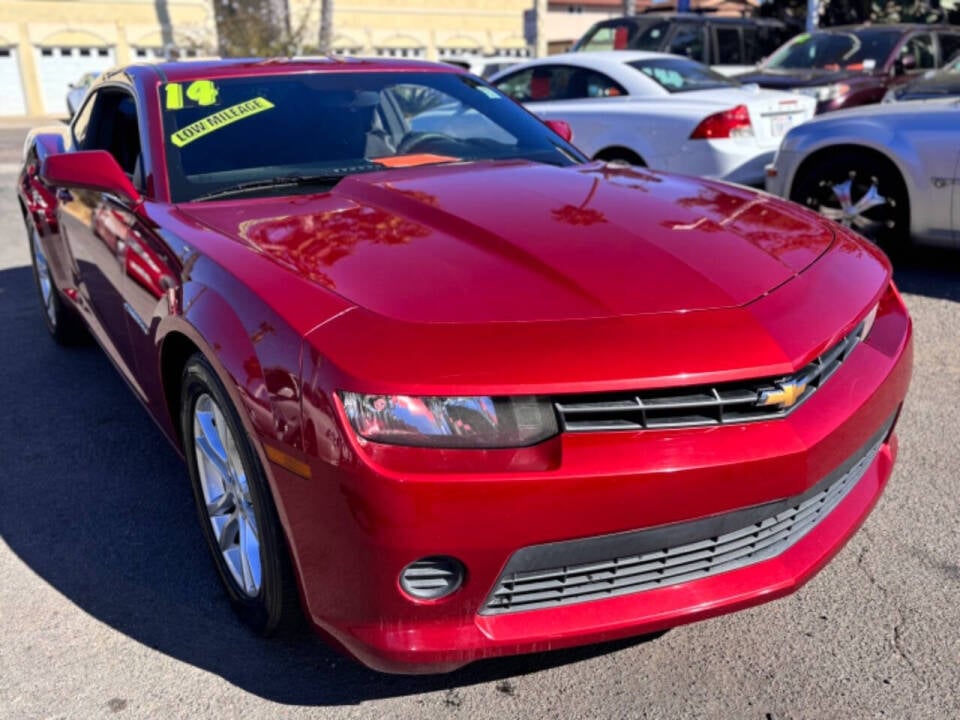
274 182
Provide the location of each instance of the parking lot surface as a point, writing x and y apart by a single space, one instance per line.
109 605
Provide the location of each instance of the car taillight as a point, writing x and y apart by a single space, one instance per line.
729 123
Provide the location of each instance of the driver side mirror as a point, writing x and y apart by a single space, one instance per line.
561 128
89 170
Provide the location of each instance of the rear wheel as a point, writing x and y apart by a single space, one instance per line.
234 504
63 323
622 154
861 191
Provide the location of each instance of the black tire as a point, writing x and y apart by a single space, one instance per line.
63 323
274 607
623 154
887 224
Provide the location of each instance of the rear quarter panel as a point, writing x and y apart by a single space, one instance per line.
650 128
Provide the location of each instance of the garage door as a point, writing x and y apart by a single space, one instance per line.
60 66
11 98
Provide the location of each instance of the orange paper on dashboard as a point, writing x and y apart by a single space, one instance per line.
401 161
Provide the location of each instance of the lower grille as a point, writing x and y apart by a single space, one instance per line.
612 565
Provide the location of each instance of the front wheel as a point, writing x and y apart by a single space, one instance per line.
62 322
860 191
235 506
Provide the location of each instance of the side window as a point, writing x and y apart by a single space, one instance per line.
517 85
113 127
81 123
760 42
558 82
949 46
729 51
613 36
921 48
585 83
687 40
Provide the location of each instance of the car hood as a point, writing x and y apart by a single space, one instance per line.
785 79
937 114
512 241
937 85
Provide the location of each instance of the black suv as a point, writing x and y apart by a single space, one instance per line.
716 41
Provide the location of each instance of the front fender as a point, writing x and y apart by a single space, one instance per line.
259 366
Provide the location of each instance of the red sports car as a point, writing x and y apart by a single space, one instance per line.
448 387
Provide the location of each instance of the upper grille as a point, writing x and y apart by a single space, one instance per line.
701 405
562 573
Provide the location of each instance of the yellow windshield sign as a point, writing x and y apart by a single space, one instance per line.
227 116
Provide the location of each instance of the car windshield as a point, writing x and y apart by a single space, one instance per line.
680 75
267 134
861 50
635 34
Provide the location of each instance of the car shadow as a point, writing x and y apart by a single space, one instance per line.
98 505
931 272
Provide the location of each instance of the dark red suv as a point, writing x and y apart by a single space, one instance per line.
855 65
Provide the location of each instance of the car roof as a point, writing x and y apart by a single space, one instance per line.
602 57
183 70
699 17
901 27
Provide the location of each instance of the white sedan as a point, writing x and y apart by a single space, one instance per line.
663 111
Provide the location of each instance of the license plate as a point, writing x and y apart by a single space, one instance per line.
779 124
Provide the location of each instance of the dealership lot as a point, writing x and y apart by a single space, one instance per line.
109 605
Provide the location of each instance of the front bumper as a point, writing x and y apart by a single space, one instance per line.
356 524
777 175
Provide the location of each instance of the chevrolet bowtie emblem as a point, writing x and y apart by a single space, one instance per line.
786 395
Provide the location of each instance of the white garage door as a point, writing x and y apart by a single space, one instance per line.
60 66
11 87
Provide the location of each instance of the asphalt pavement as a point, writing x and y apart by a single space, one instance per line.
109 606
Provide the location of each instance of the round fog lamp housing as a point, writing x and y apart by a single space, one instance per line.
432 578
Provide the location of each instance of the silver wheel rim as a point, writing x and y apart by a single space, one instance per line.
852 212
227 495
43 277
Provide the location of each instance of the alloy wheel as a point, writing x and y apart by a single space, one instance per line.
856 203
227 495
44 281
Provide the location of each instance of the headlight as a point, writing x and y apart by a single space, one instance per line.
823 93
868 322
451 422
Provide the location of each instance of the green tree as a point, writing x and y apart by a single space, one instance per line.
258 28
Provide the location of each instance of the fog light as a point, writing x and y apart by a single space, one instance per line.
432 578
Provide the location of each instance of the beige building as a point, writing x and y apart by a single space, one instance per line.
47 44
430 29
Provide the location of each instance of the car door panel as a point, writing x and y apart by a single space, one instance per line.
152 275
956 203
99 274
96 226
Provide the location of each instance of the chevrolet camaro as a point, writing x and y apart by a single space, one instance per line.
453 395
